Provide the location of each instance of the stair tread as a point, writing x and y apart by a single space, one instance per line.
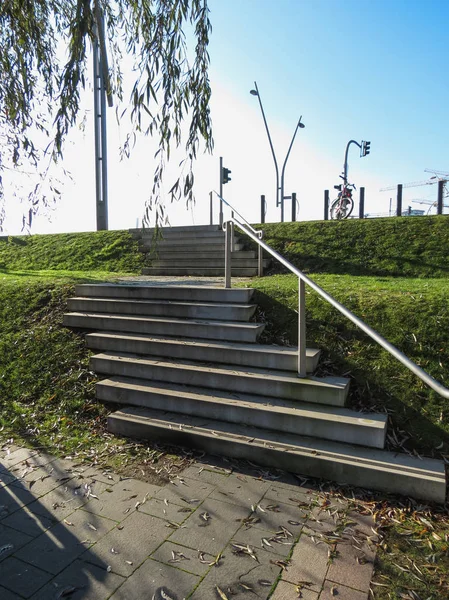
294 408
227 324
338 383
374 459
262 348
157 301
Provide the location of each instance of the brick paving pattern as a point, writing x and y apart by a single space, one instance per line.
78 532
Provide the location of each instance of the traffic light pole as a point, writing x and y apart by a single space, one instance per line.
221 191
345 167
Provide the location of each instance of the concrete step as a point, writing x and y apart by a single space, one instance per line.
172 236
162 291
177 229
176 255
205 263
199 271
281 358
190 248
279 384
343 463
171 327
163 308
216 241
285 416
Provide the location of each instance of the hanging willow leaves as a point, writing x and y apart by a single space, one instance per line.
44 47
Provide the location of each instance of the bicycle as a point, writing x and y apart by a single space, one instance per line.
342 207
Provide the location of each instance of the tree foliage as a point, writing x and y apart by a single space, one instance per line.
44 47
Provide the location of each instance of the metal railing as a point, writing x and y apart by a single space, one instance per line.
245 226
303 280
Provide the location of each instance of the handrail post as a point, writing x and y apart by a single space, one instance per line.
260 260
302 368
228 239
211 208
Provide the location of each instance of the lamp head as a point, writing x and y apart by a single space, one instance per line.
254 92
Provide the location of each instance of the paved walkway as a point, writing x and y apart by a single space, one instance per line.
79 532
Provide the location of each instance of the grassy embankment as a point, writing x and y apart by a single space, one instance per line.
391 273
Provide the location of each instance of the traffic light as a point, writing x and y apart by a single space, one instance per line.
225 175
365 149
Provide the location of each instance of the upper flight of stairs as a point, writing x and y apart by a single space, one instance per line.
185 366
196 250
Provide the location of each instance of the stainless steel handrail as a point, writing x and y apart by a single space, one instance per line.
303 279
245 222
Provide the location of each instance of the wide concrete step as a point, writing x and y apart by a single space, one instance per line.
175 254
162 291
188 262
169 230
281 358
171 327
173 236
280 384
343 463
168 308
186 247
328 423
200 271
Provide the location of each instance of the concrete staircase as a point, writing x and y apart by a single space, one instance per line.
197 250
185 367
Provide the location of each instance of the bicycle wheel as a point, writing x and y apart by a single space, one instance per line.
341 209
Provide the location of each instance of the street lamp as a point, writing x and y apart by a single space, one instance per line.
280 188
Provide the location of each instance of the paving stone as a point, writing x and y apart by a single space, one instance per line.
167 510
211 535
240 489
60 502
206 475
133 540
347 570
6 595
158 581
6 478
239 577
73 536
118 501
341 592
20 578
309 562
254 536
40 459
288 591
90 582
190 563
30 523
363 524
295 495
40 482
179 493
273 515
13 458
12 499
11 540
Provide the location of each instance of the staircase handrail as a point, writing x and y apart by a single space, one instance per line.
303 279
244 222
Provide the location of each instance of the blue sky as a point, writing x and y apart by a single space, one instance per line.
372 70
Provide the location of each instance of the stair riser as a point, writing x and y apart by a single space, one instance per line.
187 248
202 354
179 228
184 294
188 330
276 421
211 254
206 237
303 464
198 272
205 262
215 313
219 381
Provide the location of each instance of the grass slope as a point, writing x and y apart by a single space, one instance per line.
399 247
114 251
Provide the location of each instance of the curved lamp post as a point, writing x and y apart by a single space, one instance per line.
300 125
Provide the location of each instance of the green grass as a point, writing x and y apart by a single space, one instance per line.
113 251
399 247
